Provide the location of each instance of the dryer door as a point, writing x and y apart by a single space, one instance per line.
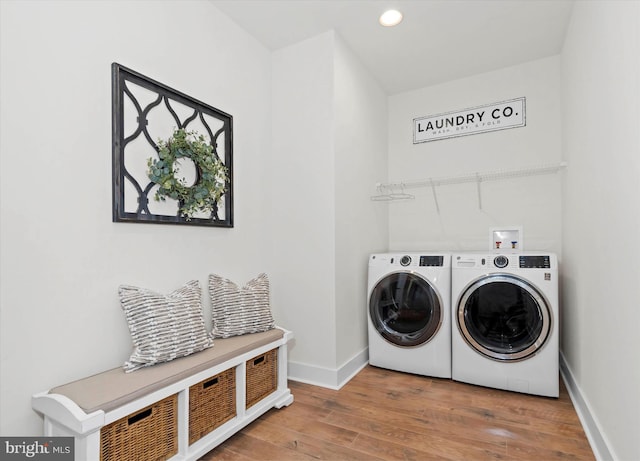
405 309
504 317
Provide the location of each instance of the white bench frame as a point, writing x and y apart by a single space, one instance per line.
63 417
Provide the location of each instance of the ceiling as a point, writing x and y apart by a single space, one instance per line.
438 40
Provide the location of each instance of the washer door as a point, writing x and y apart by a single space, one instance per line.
405 309
504 317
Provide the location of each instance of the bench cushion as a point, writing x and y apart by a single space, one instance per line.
114 388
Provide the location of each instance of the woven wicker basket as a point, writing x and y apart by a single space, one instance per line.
262 376
212 402
149 434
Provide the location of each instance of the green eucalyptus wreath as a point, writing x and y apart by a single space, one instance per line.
212 175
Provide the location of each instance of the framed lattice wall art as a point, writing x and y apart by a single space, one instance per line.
172 155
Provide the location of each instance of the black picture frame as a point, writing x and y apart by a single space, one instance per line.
131 123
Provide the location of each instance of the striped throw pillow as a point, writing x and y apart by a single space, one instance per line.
163 327
238 311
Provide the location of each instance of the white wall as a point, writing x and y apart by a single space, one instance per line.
329 129
361 226
601 219
302 183
62 258
531 202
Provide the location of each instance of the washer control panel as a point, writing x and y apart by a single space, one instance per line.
535 262
501 261
505 261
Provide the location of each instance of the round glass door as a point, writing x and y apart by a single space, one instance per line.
405 309
504 318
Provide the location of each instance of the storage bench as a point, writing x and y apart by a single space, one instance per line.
177 410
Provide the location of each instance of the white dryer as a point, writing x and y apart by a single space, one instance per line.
409 312
505 325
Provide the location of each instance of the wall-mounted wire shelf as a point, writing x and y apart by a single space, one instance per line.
396 191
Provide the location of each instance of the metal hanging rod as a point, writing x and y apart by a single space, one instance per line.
395 191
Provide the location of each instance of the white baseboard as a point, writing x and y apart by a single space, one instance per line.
328 377
591 427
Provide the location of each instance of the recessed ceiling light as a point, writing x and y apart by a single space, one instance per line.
390 18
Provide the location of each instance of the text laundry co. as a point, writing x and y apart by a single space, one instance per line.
492 117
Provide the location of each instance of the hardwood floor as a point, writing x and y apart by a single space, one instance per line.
386 415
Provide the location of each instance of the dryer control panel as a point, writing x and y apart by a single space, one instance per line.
425 261
431 261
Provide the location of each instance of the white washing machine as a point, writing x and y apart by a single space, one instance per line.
410 312
505 325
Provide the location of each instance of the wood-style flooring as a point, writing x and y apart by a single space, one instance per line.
387 415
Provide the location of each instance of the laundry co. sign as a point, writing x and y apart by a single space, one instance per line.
492 117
